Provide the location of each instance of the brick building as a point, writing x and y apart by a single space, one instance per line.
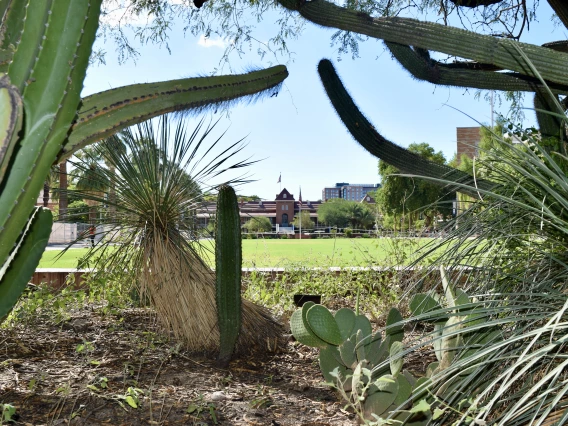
468 141
280 212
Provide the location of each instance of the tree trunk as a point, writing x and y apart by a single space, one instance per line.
46 193
63 201
112 195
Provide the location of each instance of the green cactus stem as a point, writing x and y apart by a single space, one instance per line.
364 133
550 124
431 36
228 270
12 18
462 74
61 51
16 273
105 113
560 7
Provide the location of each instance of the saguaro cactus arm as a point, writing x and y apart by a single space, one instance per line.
461 75
561 9
105 113
364 133
431 36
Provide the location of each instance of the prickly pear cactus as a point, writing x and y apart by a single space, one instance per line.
228 270
365 367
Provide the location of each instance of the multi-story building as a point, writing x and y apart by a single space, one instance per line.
351 192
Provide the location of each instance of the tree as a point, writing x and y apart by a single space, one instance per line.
304 220
341 213
258 224
407 197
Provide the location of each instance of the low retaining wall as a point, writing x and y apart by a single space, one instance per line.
57 277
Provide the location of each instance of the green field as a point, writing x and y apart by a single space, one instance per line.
284 253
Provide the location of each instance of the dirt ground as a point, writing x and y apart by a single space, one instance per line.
120 370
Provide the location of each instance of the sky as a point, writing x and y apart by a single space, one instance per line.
297 134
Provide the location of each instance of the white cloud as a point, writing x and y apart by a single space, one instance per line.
209 42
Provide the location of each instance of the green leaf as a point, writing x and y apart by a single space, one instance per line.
131 401
422 407
396 360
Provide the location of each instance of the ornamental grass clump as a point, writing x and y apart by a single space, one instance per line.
158 178
513 242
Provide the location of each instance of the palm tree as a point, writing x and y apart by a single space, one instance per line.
159 180
92 181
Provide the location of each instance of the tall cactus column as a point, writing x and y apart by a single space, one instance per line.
228 267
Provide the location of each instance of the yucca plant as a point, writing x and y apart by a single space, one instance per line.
159 177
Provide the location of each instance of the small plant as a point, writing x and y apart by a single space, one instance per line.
8 413
364 367
200 406
348 232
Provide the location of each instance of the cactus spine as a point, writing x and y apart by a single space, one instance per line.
44 52
228 269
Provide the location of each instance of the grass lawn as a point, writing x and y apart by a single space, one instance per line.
284 253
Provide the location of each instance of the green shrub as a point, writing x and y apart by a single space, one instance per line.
348 232
258 224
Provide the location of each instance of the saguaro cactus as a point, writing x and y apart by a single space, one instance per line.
228 266
44 52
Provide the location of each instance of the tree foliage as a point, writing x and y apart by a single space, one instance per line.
303 219
341 213
258 224
407 197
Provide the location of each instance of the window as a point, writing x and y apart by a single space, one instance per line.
284 195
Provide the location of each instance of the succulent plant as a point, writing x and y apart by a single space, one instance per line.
228 265
44 53
354 359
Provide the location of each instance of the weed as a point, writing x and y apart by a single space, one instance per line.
8 413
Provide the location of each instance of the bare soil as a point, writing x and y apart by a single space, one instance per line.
120 370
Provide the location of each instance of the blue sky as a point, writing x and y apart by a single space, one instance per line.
298 133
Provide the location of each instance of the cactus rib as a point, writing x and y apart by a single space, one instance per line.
12 15
228 265
364 133
103 114
437 37
10 122
17 271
